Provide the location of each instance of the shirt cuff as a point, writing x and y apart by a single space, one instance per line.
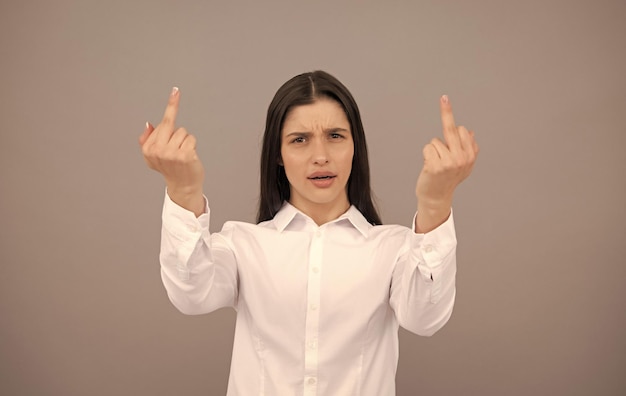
432 251
183 223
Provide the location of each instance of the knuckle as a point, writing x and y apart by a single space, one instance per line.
177 136
189 143
150 151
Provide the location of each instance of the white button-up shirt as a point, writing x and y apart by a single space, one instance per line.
318 307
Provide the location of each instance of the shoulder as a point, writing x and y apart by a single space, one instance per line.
390 235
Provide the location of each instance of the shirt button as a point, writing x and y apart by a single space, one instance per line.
311 381
312 344
318 233
313 307
428 248
316 270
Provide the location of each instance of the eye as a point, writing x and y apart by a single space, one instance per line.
299 139
335 135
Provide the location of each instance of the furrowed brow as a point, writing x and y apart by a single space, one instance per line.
298 133
329 130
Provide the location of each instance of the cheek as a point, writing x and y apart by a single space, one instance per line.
347 158
290 162
286 158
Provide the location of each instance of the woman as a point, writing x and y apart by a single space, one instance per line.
320 287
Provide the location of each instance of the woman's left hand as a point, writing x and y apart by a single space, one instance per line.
446 164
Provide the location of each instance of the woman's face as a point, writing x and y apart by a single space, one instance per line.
317 151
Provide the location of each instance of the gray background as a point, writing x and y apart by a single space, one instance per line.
541 222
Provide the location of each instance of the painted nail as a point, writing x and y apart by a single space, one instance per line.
445 99
174 91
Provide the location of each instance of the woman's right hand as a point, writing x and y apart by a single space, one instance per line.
171 151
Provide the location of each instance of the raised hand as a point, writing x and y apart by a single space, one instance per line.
171 151
446 164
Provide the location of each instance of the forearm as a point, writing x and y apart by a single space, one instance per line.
423 285
186 276
198 269
428 304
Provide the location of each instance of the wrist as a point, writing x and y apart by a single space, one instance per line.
191 199
434 203
431 213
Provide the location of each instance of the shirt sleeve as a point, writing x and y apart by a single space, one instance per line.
198 269
423 284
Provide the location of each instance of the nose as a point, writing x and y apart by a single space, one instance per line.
320 152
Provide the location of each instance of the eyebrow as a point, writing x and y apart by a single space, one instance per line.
308 133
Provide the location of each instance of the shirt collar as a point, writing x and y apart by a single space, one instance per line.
288 213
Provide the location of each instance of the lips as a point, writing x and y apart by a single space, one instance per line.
322 179
321 176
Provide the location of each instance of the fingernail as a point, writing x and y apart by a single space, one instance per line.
147 125
445 99
174 91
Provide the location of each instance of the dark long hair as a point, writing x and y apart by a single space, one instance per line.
305 89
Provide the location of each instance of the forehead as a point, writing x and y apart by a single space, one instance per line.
321 114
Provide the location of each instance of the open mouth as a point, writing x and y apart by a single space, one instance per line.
321 177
